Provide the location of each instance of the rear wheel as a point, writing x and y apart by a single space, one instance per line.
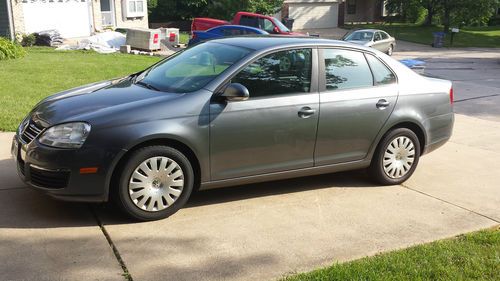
390 50
396 157
155 183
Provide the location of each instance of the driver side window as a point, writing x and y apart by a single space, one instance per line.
284 72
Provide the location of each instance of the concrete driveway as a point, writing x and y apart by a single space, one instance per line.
260 231
255 232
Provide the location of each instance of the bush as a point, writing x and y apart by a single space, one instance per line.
28 40
10 50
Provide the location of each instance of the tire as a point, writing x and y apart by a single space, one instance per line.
395 149
390 50
153 172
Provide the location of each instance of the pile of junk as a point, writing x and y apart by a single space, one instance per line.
136 41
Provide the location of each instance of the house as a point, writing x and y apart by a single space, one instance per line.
331 13
72 18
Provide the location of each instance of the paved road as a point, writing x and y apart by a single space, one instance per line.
256 232
475 74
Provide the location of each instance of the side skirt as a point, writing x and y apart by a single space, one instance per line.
326 169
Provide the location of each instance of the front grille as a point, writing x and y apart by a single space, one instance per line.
49 179
30 131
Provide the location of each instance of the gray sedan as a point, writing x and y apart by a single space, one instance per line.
230 112
377 39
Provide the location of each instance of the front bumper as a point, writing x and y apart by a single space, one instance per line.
56 172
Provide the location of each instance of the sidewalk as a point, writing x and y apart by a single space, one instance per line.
256 232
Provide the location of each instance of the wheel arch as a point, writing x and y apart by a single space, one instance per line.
165 141
415 127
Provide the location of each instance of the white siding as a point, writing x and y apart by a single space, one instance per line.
71 19
314 15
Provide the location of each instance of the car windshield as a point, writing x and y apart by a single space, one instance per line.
360 36
191 69
281 26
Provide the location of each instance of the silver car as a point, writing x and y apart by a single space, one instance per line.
377 39
230 112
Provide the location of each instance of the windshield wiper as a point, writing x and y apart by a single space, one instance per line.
149 86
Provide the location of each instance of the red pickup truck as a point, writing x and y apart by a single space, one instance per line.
267 23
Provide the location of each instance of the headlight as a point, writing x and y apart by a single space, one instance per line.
69 135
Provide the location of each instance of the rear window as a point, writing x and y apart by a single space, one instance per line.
346 70
381 74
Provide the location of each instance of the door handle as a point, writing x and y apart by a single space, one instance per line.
306 112
382 104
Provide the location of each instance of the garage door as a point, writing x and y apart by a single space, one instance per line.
70 18
316 15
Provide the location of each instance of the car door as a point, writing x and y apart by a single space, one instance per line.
275 129
358 93
378 43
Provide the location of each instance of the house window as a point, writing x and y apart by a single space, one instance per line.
351 7
134 8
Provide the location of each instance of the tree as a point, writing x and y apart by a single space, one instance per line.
165 10
433 7
467 12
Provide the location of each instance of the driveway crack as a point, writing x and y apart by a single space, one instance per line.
451 203
126 274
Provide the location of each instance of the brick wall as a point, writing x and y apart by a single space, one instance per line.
17 15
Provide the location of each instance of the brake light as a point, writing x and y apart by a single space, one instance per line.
451 95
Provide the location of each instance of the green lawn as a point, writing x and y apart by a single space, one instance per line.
468 36
45 71
474 256
184 37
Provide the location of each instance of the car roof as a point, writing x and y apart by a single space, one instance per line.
275 41
368 29
240 27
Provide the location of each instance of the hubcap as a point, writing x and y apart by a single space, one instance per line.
156 184
399 157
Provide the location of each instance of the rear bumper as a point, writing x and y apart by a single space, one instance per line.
56 172
439 130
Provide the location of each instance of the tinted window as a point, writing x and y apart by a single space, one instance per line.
360 36
232 32
249 21
377 36
384 35
279 73
381 73
192 69
346 70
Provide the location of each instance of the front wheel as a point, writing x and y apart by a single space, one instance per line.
155 183
396 157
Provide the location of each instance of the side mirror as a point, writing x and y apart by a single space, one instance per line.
235 92
276 30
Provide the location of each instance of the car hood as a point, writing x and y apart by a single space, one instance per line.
93 100
358 42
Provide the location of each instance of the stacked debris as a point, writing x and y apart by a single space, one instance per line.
48 38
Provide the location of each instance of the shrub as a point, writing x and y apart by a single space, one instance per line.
10 50
28 40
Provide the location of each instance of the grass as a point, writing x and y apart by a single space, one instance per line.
474 256
44 71
467 37
184 37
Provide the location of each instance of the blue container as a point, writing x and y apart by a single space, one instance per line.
438 39
416 65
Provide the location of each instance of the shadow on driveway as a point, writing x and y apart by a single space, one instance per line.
28 208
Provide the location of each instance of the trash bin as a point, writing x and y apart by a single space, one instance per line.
438 39
288 22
